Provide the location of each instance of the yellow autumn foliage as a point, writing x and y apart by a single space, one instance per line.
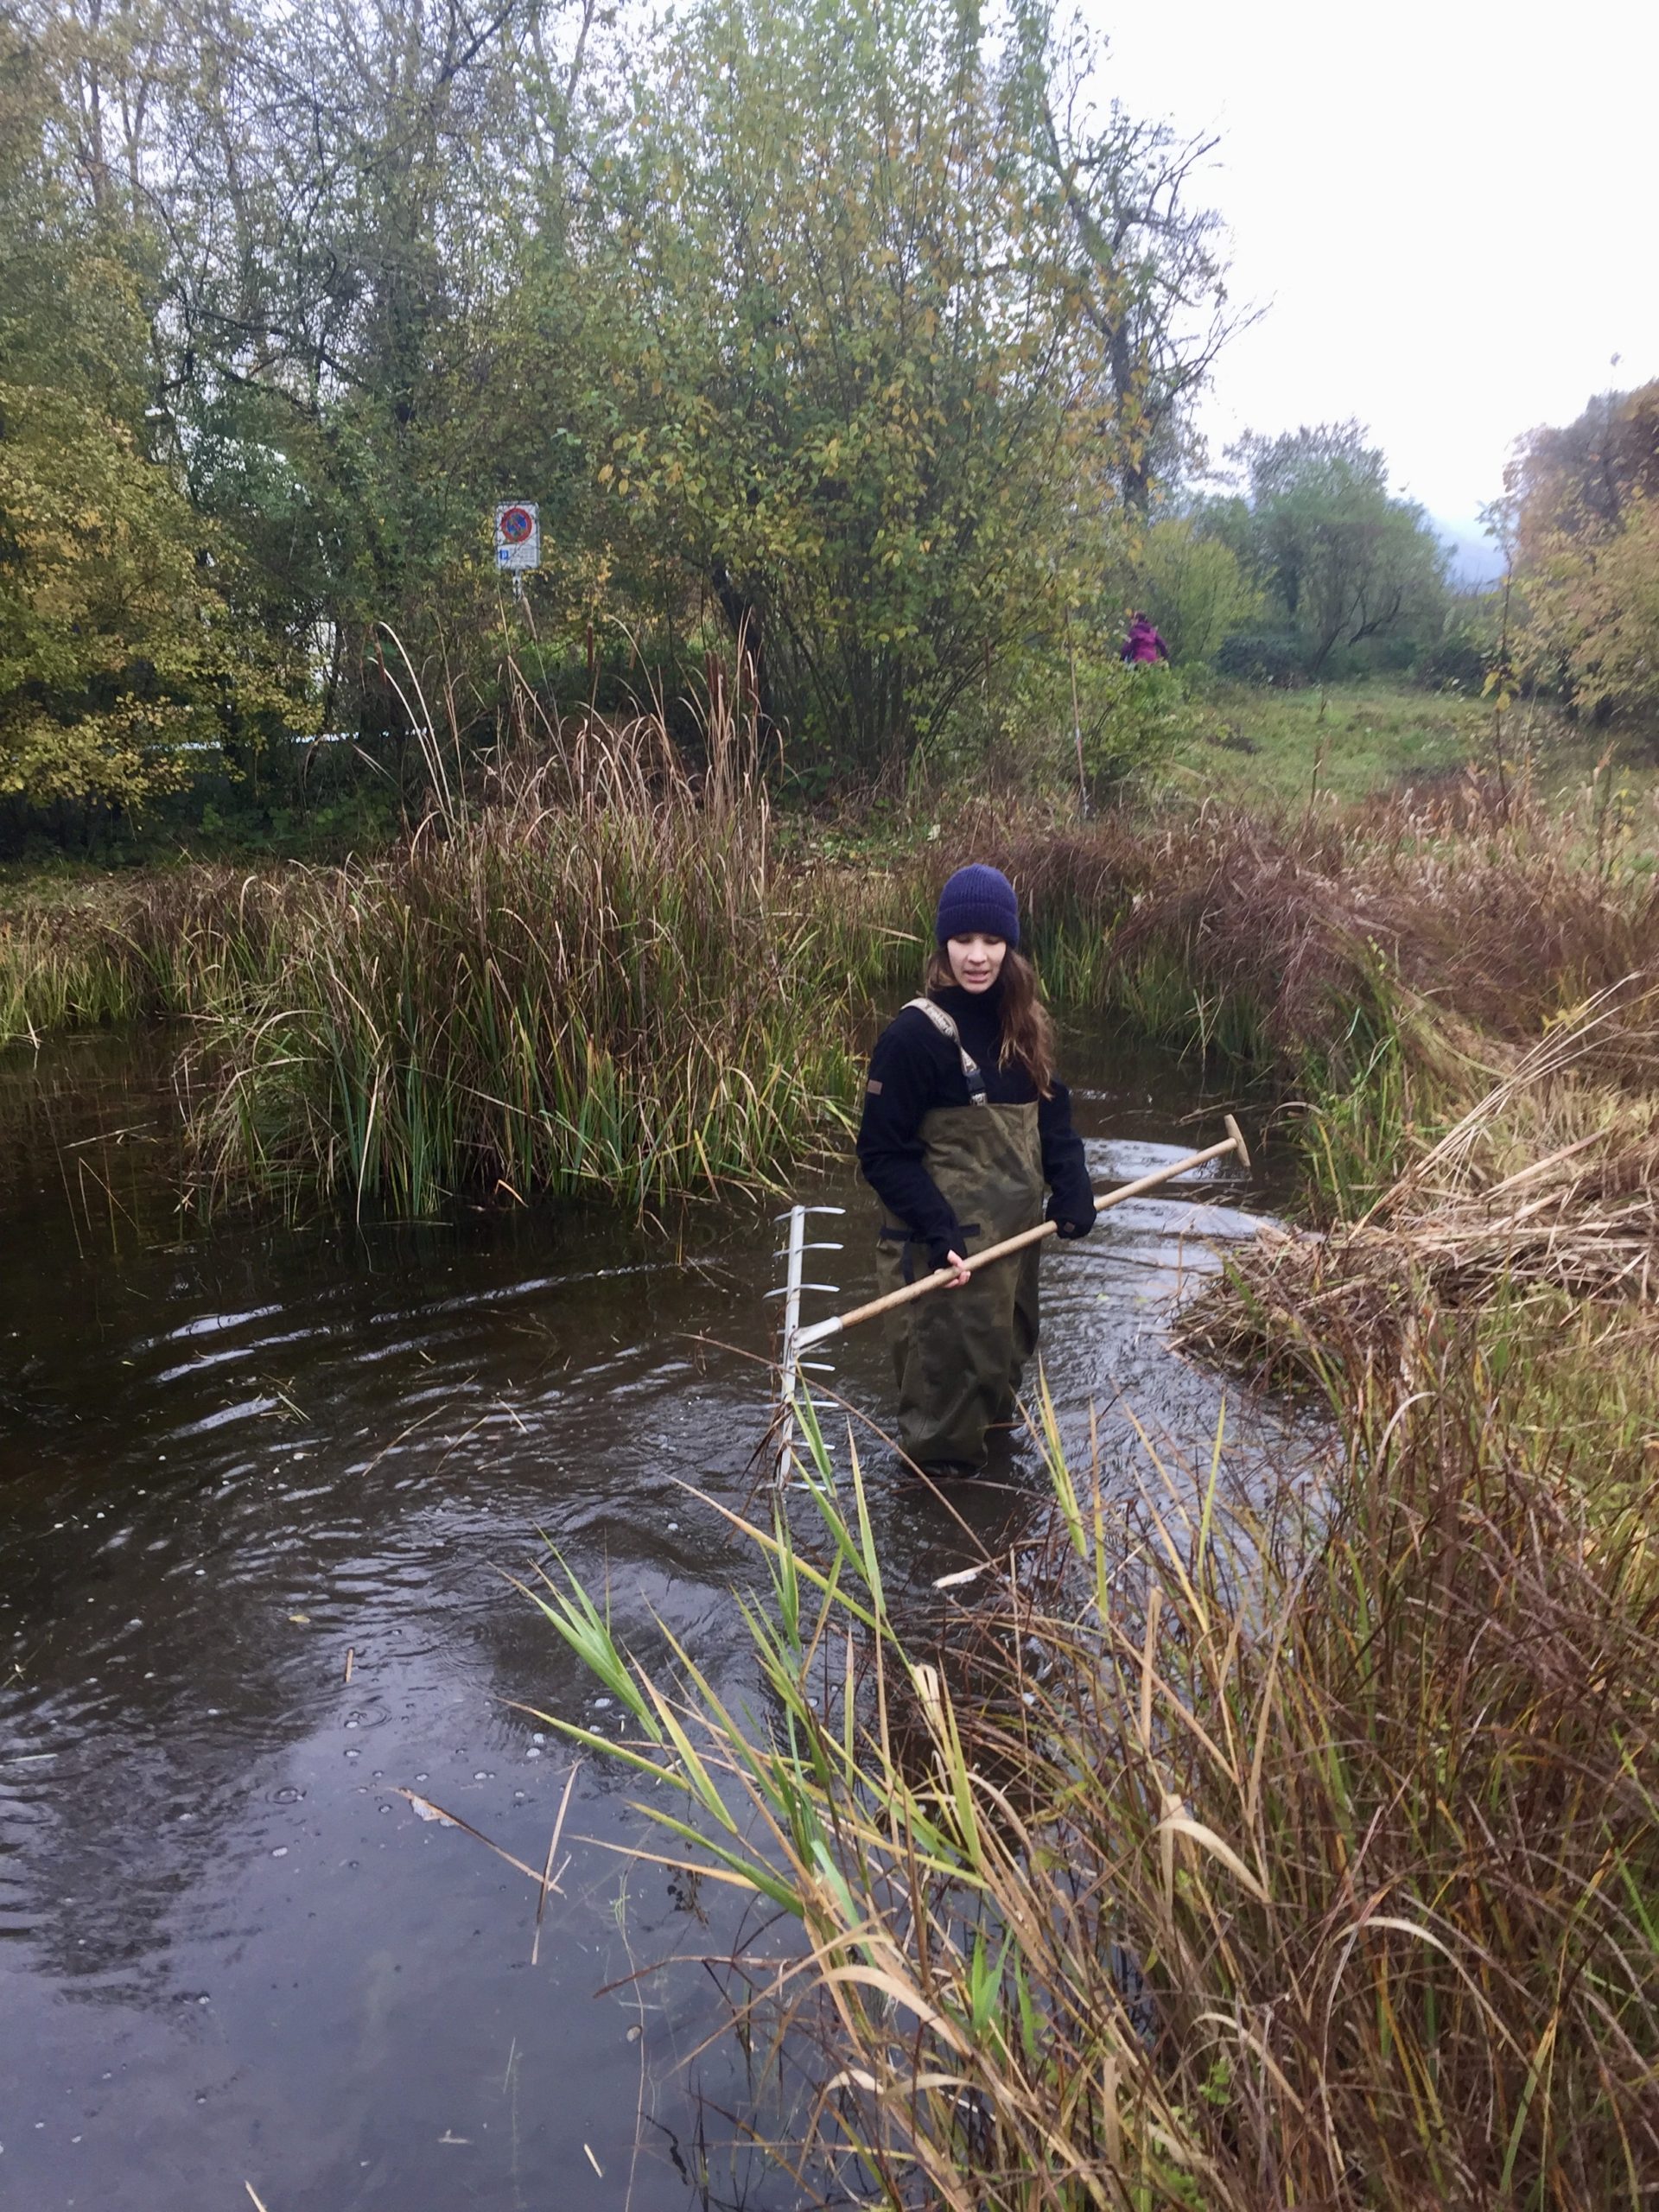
121 656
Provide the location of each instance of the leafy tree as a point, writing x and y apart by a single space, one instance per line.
1195 588
70 299
118 652
1583 516
1579 482
119 647
1150 266
856 391
1344 563
344 358
1595 606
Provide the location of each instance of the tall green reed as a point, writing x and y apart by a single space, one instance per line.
591 983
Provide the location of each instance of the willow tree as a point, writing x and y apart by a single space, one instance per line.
855 390
1148 258
122 642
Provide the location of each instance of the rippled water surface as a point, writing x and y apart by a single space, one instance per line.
232 1462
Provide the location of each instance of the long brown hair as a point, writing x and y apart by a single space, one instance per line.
1027 1031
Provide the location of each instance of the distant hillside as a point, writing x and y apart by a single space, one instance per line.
1475 559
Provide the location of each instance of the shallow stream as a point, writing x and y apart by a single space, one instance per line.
230 1952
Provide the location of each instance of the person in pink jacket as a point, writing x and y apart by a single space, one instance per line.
1143 645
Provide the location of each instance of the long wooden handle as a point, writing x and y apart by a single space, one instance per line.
815 1334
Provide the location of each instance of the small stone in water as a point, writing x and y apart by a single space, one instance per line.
532 1753
281 1851
601 1704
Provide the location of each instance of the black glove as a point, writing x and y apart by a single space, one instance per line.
940 1247
1072 1229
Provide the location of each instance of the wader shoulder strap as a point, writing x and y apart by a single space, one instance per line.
942 1021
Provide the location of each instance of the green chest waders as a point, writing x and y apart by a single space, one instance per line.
957 1354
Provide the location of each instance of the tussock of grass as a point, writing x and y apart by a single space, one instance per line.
591 982
1548 1184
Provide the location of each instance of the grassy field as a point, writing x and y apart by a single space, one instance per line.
1362 741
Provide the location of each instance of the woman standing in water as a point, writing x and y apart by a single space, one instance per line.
965 1125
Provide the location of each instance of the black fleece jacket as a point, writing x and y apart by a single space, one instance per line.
915 1068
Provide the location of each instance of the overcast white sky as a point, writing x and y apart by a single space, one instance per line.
1450 211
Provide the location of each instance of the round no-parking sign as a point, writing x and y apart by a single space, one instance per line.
518 536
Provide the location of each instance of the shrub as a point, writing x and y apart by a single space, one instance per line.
1195 589
1263 657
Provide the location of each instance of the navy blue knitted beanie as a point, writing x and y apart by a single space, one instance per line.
978 900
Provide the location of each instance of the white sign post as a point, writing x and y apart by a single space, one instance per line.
518 536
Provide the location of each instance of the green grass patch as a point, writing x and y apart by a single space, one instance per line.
1351 743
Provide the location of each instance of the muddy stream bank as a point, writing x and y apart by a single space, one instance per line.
229 1952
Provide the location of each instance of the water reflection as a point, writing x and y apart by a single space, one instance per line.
230 1458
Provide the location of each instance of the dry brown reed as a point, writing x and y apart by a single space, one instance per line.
1548 1184
1293 923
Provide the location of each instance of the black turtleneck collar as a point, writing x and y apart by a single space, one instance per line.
983 1006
